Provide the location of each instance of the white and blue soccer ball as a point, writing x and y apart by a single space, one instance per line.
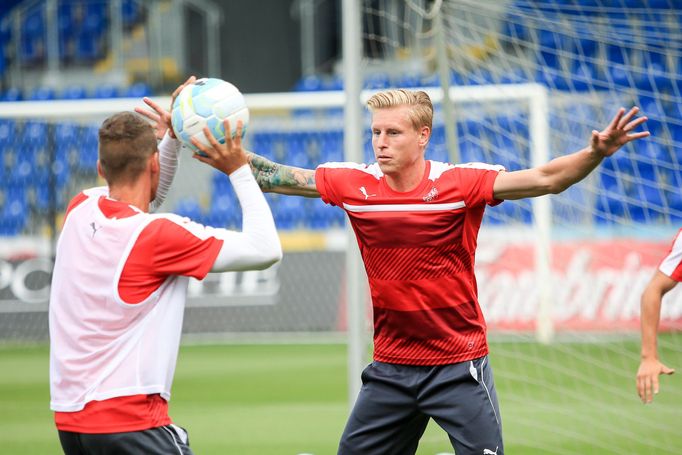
208 102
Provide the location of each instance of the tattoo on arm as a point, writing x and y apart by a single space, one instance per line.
275 177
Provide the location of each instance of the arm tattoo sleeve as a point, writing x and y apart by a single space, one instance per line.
272 176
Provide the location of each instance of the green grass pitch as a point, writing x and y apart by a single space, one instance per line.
289 399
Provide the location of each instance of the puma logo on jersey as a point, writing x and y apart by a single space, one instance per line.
431 195
363 190
95 228
490 452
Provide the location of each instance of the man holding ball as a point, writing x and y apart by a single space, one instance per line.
120 281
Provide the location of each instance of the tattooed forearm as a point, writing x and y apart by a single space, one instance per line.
274 177
263 170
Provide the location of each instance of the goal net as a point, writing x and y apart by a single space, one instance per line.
564 334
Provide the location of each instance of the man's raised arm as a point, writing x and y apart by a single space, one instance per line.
560 173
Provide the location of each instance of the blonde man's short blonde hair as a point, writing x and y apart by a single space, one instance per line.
421 112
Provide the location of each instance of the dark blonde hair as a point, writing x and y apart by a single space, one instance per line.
126 141
421 112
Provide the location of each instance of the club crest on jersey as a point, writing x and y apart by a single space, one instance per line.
363 190
431 195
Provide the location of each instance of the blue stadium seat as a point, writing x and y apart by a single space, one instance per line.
609 207
515 76
12 94
586 76
409 80
674 203
332 83
310 83
14 216
88 45
87 154
66 133
32 47
551 77
437 152
320 216
513 29
190 208
34 134
648 204
25 168
74 92
42 94
7 132
131 12
224 210
288 212
377 81
106 91
95 19
138 90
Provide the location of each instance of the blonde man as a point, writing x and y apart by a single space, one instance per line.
416 223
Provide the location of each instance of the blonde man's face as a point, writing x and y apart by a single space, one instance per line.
397 144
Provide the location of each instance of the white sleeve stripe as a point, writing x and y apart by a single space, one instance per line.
372 169
674 258
485 166
405 207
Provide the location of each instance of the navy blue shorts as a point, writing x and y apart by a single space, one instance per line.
396 402
170 439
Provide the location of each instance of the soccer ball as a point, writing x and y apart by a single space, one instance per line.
208 102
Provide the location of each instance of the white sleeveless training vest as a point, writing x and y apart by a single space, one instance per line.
112 348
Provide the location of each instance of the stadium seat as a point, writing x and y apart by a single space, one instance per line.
377 81
224 210
106 91
14 215
190 208
646 204
332 83
95 18
41 94
288 212
514 76
609 207
437 152
138 90
87 149
310 83
12 94
88 46
34 134
7 132
32 48
131 13
74 92
586 76
66 133
673 201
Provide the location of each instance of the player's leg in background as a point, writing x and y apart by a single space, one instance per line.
385 419
461 398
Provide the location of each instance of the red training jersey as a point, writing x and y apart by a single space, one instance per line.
418 249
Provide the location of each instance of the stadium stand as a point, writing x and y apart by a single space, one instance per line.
83 25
